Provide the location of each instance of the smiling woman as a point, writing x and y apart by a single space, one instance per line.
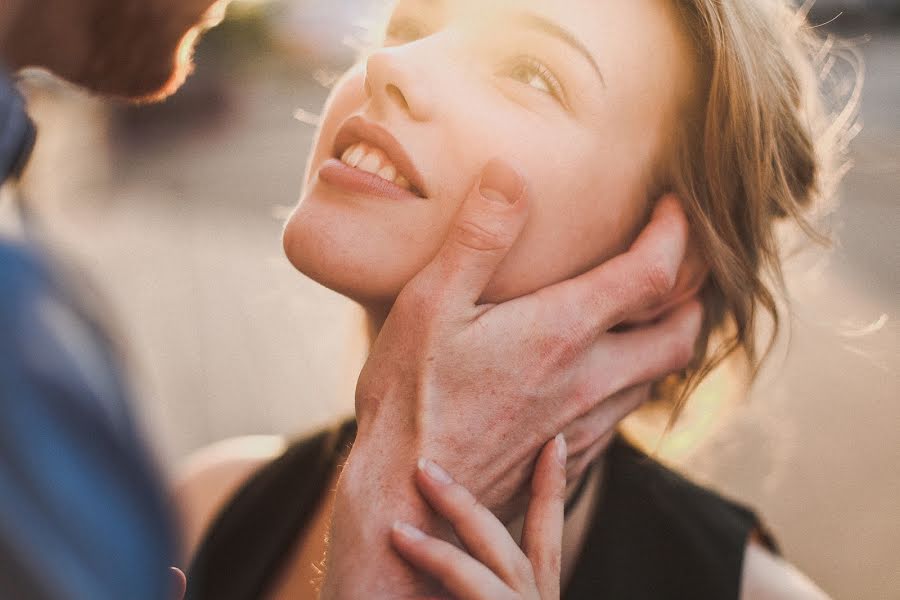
599 124
603 107
507 82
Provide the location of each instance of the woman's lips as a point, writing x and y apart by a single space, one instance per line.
335 173
358 129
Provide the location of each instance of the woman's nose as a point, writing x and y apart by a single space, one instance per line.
394 82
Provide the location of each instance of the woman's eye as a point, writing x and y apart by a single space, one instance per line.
534 74
404 31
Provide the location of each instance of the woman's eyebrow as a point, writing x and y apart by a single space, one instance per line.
545 25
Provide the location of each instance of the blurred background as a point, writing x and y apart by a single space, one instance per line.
175 213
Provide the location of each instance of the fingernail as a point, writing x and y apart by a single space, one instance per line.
562 452
408 531
436 473
500 182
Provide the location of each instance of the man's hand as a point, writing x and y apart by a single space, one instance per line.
481 388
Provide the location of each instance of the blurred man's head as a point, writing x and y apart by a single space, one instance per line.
138 49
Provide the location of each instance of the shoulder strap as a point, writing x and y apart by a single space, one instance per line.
254 534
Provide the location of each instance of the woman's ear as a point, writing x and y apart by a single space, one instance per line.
692 276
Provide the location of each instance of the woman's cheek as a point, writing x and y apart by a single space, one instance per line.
574 225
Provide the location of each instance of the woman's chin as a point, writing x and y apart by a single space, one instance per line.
350 269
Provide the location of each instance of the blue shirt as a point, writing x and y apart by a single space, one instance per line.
82 511
17 133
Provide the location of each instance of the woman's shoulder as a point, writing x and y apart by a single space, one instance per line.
658 534
708 523
210 476
243 471
767 576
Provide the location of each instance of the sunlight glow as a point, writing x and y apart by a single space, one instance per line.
706 410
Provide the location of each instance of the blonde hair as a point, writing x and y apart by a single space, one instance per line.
756 147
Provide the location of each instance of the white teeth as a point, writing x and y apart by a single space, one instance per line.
388 172
370 164
373 160
356 156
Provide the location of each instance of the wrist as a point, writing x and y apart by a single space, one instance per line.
376 488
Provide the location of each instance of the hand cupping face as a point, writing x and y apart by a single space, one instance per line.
481 388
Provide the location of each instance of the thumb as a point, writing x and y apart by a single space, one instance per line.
485 228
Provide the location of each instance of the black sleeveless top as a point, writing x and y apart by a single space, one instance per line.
656 535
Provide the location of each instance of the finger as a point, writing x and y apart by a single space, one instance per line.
585 431
485 228
628 283
459 573
179 583
692 276
482 533
542 533
647 353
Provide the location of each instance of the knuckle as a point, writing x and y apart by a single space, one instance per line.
559 349
659 279
479 236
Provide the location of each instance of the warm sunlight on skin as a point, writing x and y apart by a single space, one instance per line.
579 94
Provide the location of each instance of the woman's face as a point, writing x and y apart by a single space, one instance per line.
581 95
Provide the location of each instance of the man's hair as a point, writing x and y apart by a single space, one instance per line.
135 49
139 49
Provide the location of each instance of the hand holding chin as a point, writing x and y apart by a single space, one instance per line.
483 387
